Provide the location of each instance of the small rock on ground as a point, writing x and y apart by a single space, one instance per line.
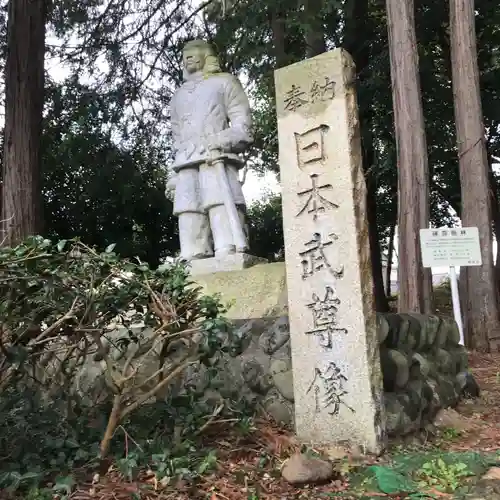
469 388
451 418
493 474
484 490
301 469
487 488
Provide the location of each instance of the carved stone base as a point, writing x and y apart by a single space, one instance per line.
232 262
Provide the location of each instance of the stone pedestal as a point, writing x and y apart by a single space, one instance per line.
232 262
335 353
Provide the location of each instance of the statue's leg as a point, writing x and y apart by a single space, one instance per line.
239 200
194 236
221 231
212 201
242 212
194 228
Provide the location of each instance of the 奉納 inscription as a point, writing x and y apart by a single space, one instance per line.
324 312
310 145
329 391
295 98
314 258
316 202
322 92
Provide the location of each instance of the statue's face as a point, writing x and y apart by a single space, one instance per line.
194 58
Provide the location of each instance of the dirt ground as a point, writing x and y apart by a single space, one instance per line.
248 467
483 414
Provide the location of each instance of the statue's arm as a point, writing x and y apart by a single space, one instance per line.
174 123
238 136
174 129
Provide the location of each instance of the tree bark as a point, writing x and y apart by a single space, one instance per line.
314 32
415 282
24 86
381 299
278 26
357 34
113 422
481 309
390 254
495 214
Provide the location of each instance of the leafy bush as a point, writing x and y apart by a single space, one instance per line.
42 450
64 305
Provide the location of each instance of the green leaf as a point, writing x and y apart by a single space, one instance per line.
71 443
31 478
389 481
10 480
110 248
209 463
64 485
81 454
59 443
61 245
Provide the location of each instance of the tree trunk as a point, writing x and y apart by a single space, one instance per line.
113 422
415 282
390 255
381 302
314 32
357 34
495 214
482 314
24 86
278 27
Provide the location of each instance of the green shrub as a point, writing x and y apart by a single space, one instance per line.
64 305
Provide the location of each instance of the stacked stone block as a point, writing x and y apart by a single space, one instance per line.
423 366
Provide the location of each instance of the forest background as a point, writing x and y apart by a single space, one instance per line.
110 67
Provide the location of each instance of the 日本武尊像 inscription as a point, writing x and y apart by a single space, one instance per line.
310 145
333 336
316 202
314 258
324 312
329 391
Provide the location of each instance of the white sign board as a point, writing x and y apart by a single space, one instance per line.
450 247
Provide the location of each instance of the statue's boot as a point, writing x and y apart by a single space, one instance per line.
221 231
195 236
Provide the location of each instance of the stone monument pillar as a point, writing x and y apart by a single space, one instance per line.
335 355
211 126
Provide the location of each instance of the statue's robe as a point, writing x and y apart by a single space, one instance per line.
205 110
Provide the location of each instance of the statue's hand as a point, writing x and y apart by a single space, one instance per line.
217 142
170 186
213 155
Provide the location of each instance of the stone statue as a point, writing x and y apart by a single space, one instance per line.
211 126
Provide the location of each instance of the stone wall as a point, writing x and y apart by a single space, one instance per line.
424 368
423 365
261 375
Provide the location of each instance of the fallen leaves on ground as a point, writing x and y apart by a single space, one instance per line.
249 465
482 414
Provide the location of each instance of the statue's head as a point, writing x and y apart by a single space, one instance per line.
199 55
